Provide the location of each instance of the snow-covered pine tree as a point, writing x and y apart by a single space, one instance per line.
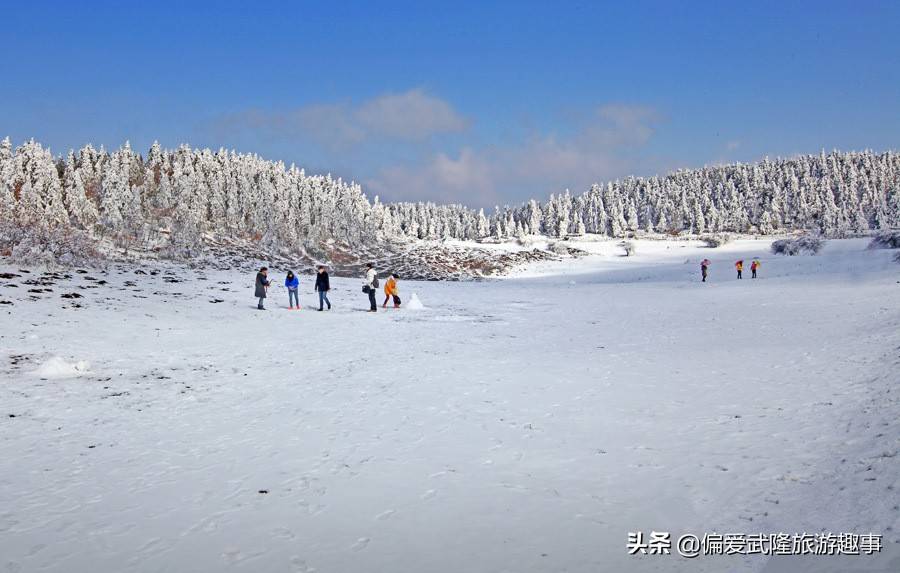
7 171
243 196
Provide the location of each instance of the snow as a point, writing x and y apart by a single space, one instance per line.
524 424
56 368
414 303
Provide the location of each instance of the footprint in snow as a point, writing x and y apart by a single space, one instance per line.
385 514
231 556
283 533
299 565
360 544
428 494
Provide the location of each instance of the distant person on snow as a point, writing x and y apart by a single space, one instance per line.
704 269
292 283
262 285
370 286
390 291
322 287
753 268
739 266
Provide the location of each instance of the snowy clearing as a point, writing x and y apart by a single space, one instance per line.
158 422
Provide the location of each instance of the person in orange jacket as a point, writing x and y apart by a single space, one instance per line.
753 267
739 265
391 290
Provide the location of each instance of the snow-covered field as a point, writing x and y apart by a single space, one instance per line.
522 425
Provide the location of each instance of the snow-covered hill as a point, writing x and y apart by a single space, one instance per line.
152 419
169 203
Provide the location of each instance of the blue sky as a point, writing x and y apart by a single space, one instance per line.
463 102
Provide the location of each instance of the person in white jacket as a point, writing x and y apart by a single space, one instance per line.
371 286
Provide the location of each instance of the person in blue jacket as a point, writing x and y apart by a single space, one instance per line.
292 283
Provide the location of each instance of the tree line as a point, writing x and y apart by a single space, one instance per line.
834 194
173 197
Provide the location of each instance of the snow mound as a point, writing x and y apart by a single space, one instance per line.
414 303
57 368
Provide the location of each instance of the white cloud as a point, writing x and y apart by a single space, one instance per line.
413 115
328 123
542 164
442 178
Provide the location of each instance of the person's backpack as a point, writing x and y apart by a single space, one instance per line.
375 282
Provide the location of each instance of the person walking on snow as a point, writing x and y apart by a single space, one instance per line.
323 286
704 269
370 286
753 268
292 283
262 285
390 290
739 266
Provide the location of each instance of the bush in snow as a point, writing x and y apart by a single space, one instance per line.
524 240
41 244
713 241
886 240
559 248
628 246
805 245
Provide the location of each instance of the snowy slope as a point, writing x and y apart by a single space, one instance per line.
524 424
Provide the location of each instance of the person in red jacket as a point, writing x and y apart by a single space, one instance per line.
739 266
754 266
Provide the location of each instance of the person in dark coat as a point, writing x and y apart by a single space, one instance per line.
323 286
262 285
